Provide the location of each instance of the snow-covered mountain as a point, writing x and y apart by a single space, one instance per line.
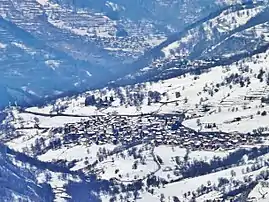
183 119
50 47
193 137
223 37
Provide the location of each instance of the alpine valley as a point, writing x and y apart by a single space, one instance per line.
134 101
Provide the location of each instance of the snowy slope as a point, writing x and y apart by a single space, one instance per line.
228 92
78 41
222 37
193 129
20 184
153 134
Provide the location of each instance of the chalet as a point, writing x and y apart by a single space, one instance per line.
265 100
167 169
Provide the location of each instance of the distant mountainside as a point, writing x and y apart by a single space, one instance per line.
179 13
49 47
225 36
